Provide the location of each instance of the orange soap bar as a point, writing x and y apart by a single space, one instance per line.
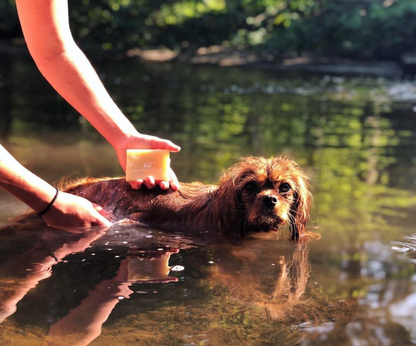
146 269
143 163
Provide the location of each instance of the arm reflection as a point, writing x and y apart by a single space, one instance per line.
84 323
23 272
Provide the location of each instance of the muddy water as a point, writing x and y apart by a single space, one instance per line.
353 283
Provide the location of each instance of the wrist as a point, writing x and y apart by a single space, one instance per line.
23 184
120 139
44 211
43 200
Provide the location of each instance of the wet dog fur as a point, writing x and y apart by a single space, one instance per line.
254 195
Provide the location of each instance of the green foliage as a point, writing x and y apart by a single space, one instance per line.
379 29
9 25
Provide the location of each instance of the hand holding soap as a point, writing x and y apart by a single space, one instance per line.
142 163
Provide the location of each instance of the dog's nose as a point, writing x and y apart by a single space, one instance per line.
270 201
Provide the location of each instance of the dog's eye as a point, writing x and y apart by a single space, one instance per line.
285 187
251 187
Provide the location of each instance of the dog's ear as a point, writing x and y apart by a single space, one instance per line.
299 212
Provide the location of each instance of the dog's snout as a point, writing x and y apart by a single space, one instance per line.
270 201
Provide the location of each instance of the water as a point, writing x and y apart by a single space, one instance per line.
354 136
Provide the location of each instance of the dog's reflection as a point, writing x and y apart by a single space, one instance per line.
269 274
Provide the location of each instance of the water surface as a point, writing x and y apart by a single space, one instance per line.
353 135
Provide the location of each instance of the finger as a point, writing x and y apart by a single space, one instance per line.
164 185
158 143
98 218
150 182
100 221
174 183
102 211
136 184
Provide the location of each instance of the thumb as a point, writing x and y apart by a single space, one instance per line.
164 144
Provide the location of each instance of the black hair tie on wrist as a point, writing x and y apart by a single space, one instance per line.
50 204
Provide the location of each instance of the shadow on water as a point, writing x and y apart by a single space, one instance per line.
355 138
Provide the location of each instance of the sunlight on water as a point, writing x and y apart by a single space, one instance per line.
354 284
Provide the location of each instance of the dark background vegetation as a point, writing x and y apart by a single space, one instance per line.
357 29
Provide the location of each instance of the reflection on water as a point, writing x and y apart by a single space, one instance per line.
355 137
133 263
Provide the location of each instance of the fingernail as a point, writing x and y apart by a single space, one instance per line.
174 186
136 184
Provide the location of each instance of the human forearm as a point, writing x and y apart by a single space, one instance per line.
71 74
46 29
23 184
67 211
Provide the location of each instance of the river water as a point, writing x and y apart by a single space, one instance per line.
351 282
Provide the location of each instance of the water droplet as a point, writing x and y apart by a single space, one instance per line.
120 298
178 268
149 236
211 262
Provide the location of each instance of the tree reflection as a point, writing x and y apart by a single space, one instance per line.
358 151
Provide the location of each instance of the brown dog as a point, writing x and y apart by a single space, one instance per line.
254 195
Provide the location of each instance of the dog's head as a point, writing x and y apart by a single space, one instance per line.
259 194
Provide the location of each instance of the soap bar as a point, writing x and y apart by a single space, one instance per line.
148 269
143 163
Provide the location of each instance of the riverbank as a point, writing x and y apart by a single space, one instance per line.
225 56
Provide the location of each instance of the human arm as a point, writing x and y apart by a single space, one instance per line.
67 211
47 33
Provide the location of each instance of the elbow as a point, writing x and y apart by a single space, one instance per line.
43 54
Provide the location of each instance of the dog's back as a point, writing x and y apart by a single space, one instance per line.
154 206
